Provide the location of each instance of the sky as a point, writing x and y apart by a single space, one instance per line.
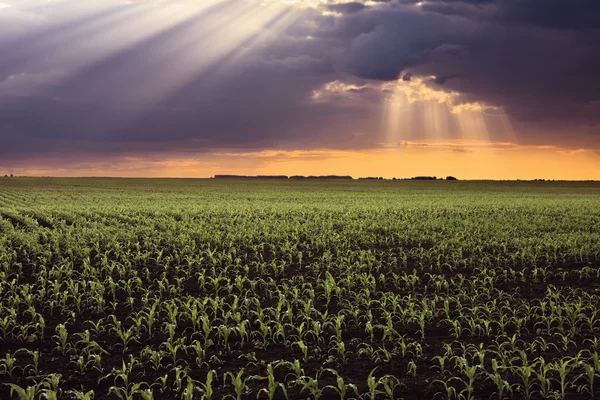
478 89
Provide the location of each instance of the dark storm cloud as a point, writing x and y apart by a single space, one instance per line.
541 67
440 80
346 8
558 14
536 58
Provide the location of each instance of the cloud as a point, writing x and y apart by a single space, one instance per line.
346 8
24 83
110 77
518 63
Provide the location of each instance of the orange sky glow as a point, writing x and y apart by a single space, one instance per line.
464 160
192 89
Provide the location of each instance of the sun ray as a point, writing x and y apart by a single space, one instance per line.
179 57
161 58
412 109
398 114
43 42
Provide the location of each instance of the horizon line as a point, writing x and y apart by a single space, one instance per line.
299 178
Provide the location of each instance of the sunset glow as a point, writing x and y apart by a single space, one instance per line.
469 160
401 88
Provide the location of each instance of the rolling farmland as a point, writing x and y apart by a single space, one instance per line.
208 289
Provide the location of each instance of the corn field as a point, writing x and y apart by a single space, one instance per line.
205 289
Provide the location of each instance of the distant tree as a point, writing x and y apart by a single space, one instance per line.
6 176
11 175
321 177
451 178
251 177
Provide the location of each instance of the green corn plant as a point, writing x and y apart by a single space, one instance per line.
311 385
372 385
151 317
128 392
161 383
173 349
95 360
382 355
188 392
62 336
337 324
316 331
297 372
199 352
456 328
224 332
78 395
303 348
7 322
138 321
588 376
340 349
243 331
238 382
470 372
28 393
81 364
172 312
206 388
272 384
88 344
96 327
422 321
265 332
341 388
206 329
442 363
563 368
34 366
48 394
123 373
542 375
412 368
496 377
449 390
527 375
126 336
300 331
152 358
180 375
8 366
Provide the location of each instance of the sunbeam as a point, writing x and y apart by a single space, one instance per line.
133 44
191 76
412 109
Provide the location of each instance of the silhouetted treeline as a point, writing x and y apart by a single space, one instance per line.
251 177
282 177
300 177
321 177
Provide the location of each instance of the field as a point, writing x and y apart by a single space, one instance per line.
199 289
